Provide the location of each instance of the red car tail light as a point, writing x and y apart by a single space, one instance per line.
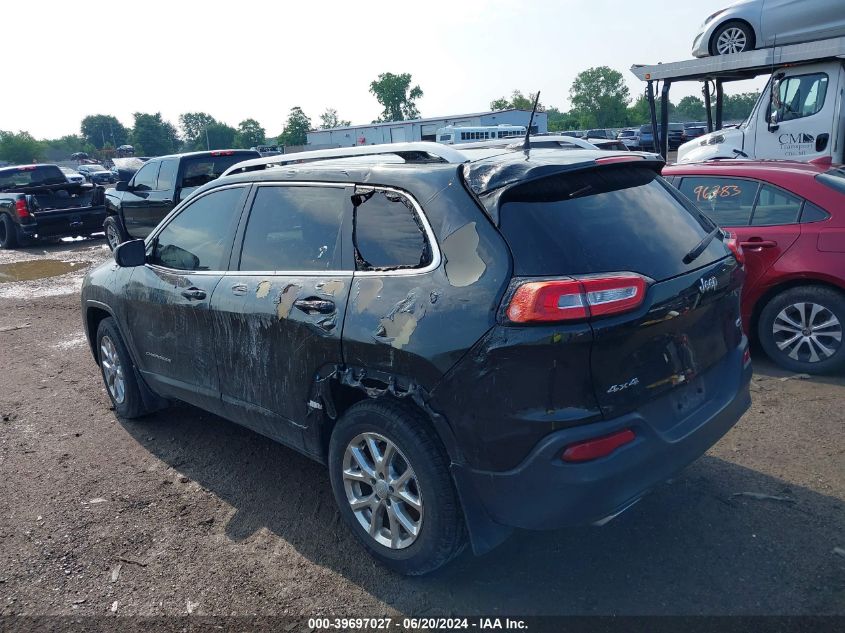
223 153
21 208
597 447
735 247
576 298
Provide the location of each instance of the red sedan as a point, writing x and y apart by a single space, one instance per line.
790 220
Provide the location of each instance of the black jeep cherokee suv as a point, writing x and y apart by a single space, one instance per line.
470 340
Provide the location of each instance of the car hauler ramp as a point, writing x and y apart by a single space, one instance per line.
725 68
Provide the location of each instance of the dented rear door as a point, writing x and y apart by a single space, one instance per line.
282 305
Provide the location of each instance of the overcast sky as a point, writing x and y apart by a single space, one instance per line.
245 58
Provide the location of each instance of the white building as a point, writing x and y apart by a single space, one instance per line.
420 129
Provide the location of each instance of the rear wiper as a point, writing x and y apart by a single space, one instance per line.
698 249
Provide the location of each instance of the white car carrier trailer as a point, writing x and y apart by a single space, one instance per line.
799 115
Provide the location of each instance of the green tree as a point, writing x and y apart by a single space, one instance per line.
638 113
249 134
690 109
329 120
220 136
561 121
61 148
193 125
153 136
600 97
738 107
296 129
396 96
20 147
517 101
103 129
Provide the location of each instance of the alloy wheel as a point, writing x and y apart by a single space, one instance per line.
112 236
732 40
112 370
807 332
382 490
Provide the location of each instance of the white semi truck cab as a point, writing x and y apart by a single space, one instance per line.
800 114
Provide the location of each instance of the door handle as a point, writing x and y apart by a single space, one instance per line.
758 244
314 305
193 293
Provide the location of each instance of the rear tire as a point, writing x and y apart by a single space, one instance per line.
803 329
413 526
115 235
732 37
118 372
8 233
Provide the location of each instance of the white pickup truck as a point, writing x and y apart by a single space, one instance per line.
800 114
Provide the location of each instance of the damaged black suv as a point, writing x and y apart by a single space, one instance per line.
470 340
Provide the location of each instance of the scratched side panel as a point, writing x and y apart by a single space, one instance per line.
275 348
418 325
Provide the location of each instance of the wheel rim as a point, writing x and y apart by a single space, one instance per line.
807 332
112 236
112 370
382 490
732 40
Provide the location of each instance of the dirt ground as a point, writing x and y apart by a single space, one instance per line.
185 513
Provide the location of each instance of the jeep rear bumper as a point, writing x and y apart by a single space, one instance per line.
544 492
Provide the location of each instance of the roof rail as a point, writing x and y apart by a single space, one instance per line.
422 151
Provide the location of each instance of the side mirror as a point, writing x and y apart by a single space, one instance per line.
131 254
775 105
122 185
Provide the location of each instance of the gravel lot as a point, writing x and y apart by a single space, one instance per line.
183 512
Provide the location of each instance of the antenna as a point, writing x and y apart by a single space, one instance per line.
526 146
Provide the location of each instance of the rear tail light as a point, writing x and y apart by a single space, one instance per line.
227 152
575 298
735 247
21 208
597 447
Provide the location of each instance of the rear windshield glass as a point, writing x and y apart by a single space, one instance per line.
834 178
31 176
202 169
604 220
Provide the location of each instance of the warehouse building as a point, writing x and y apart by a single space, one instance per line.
420 129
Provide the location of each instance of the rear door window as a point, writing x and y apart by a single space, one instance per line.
727 201
775 206
167 174
198 170
609 219
388 233
294 228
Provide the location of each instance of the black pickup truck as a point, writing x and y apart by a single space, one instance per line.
37 201
136 207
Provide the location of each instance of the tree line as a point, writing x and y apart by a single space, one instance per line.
599 98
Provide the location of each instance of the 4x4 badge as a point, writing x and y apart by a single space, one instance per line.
707 285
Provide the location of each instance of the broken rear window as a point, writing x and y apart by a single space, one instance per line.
388 234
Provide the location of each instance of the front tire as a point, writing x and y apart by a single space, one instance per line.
118 371
390 478
801 329
115 235
732 37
